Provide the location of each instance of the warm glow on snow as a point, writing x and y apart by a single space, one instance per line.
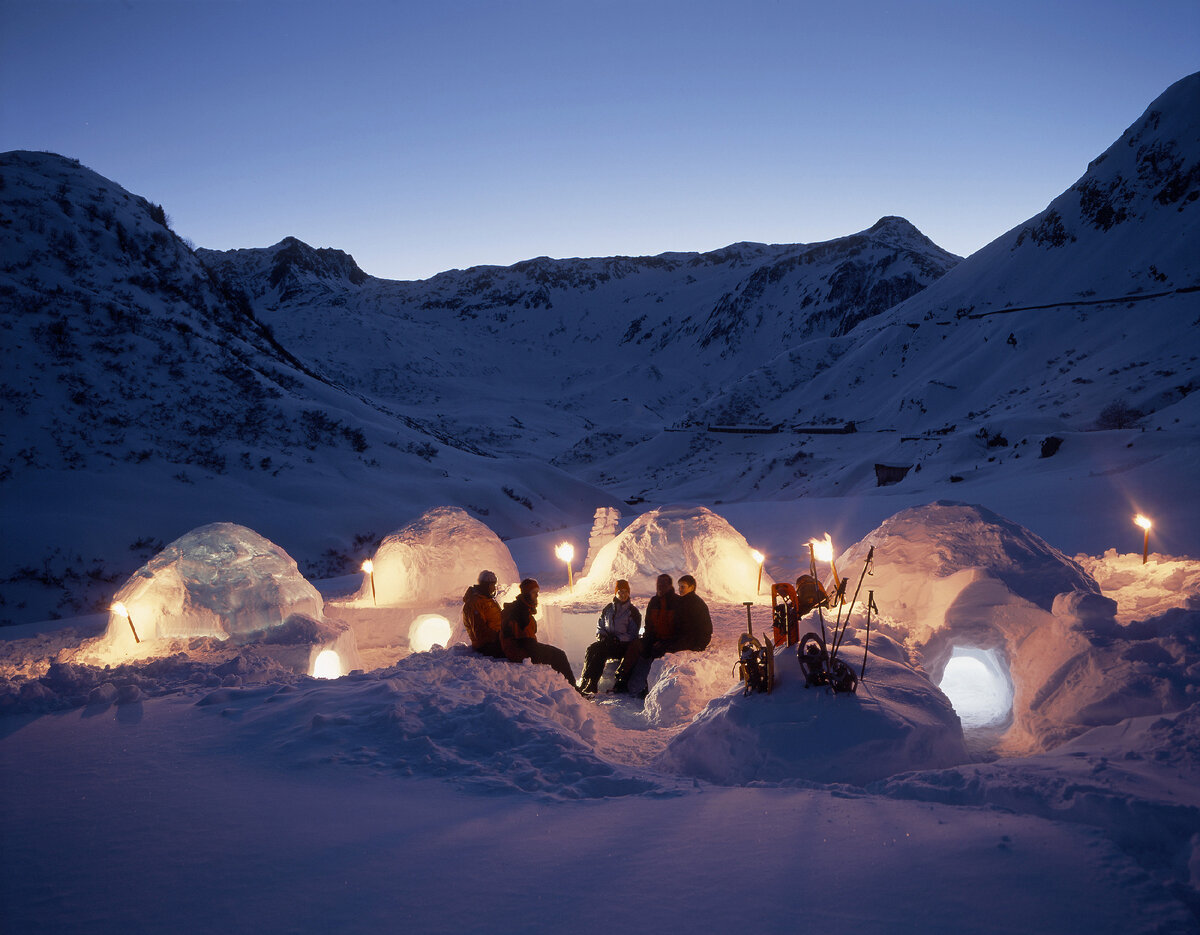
328 665
368 566
758 556
119 609
427 631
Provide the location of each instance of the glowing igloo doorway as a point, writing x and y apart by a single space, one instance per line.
427 631
978 685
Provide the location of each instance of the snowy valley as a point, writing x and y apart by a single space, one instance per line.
219 439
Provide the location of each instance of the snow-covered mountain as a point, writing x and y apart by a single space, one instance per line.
555 353
151 388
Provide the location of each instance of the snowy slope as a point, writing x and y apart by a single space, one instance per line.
543 358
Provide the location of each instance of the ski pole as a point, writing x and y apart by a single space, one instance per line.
867 642
866 566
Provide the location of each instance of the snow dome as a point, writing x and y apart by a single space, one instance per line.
434 558
219 580
678 540
957 581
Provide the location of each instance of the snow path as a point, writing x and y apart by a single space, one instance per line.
163 819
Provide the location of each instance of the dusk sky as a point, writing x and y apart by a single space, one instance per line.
427 136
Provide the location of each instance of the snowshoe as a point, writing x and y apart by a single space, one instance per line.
814 660
756 664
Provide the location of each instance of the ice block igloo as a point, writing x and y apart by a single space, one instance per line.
221 580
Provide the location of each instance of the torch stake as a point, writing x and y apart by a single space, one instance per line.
812 565
129 617
1145 546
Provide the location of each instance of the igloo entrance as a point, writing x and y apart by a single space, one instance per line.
978 684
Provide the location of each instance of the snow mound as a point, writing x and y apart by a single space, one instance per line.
676 540
450 714
219 580
433 559
896 722
1145 590
928 554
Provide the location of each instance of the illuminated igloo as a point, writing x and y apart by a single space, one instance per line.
434 559
676 540
220 580
997 614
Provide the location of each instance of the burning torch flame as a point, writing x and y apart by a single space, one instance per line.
823 549
565 552
823 552
121 610
760 558
369 567
1140 520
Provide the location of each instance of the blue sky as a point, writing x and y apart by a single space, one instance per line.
427 136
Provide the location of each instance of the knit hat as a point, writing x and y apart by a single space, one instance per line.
487 577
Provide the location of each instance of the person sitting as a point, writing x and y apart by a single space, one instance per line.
518 634
616 638
660 619
481 616
676 623
693 624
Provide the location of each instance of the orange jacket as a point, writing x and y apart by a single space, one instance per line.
481 619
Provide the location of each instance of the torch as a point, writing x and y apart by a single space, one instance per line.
1145 524
119 608
565 552
823 550
758 557
369 567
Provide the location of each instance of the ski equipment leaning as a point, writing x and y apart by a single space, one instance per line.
756 661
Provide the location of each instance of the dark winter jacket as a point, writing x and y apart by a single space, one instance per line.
660 617
518 628
481 620
693 625
622 621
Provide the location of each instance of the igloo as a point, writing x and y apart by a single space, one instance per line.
219 580
676 540
961 584
433 559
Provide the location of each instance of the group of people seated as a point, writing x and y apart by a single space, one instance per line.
673 622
